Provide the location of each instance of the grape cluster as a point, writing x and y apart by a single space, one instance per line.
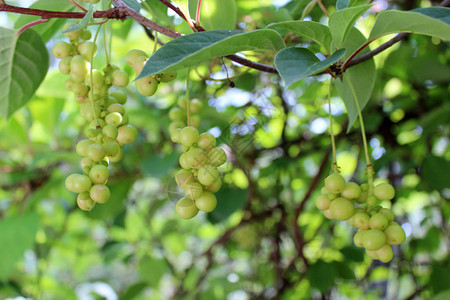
177 114
148 85
377 231
108 130
199 177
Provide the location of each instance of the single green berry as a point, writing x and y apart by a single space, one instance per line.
335 183
206 202
186 208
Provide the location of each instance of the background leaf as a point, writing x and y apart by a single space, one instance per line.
308 29
83 23
24 65
362 77
228 201
12 247
434 170
133 4
195 48
218 14
48 29
295 63
392 21
342 21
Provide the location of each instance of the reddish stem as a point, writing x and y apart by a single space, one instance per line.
197 16
29 25
344 66
323 8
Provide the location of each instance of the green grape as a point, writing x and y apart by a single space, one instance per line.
216 156
110 131
185 148
332 196
97 80
64 65
361 220
127 134
184 163
83 146
207 175
322 202
68 84
133 55
177 114
387 213
364 187
327 213
358 238
175 135
395 235
96 152
324 191
193 190
62 49
86 162
120 97
384 191
112 148
116 157
99 193
147 86
87 50
206 141
372 200
168 76
373 239
335 183
385 253
351 222
378 221
183 177
80 89
78 68
114 119
85 202
182 103
351 191
207 202
85 34
214 187
186 208
120 78
195 106
116 107
195 157
139 65
362 197
372 254
188 136
78 183
99 174
195 121
86 170
176 125
341 209
124 119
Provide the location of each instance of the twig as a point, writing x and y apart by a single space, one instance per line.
323 8
31 24
77 5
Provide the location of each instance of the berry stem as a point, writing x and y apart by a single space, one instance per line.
91 61
188 111
106 47
363 134
333 142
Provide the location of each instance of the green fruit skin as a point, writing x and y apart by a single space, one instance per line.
183 177
214 187
384 191
62 49
385 253
207 202
374 239
132 56
335 183
83 146
99 174
78 183
86 204
361 220
120 78
99 193
341 209
186 209
378 221
96 152
147 86
207 175
216 156
195 106
188 136
206 141
193 190
351 191
322 202
358 238
126 134
395 235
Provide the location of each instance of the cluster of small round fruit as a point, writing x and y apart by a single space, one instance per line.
108 129
377 231
199 177
148 85
177 114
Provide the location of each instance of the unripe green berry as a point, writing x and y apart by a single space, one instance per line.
378 221
113 119
85 35
384 191
87 50
120 78
186 208
214 187
96 152
373 239
119 96
351 191
322 202
335 183
132 56
147 86
83 146
207 175
99 193
62 49
341 209
127 134
188 136
78 183
216 156
206 202
206 141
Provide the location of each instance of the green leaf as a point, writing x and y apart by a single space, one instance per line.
439 278
439 13
48 29
159 11
218 14
445 295
294 63
342 21
157 166
83 23
133 4
322 275
152 269
228 201
362 77
17 235
308 29
393 21
24 65
116 203
185 7
344 271
341 4
434 172
193 49
353 253
133 291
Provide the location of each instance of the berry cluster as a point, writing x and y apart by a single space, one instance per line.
377 231
177 114
148 85
108 130
199 178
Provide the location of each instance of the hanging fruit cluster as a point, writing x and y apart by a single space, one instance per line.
108 130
